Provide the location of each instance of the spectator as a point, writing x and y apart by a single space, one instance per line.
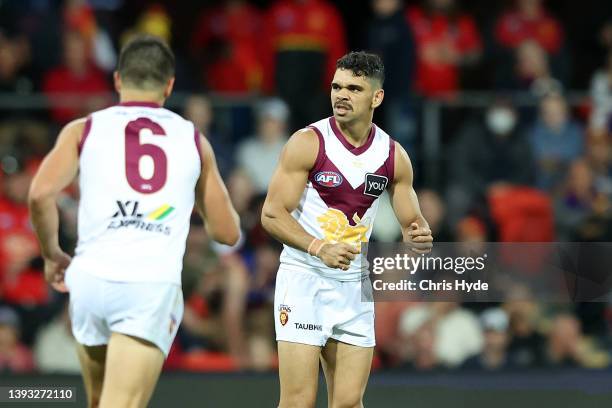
199 110
303 39
529 20
555 141
55 347
79 16
605 35
526 349
421 345
494 354
599 157
390 37
217 283
78 77
155 20
565 346
447 41
260 305
14 58
457 333
527 69
601 96
434 211
258 155
20 281
227 43
492 149
14 356
577 200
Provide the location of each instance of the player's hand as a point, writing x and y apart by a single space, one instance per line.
55 268
338 255
420 239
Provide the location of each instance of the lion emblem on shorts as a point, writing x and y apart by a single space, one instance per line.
337 228
283 316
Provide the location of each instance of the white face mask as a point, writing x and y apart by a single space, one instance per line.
501 121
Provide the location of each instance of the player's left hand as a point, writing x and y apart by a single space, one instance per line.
55 268
420 239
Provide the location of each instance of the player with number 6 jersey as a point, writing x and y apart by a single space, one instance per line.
141 170
139 164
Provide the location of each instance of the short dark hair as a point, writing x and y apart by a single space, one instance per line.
146 62
363 64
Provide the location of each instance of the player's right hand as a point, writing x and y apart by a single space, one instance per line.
338 255
55 269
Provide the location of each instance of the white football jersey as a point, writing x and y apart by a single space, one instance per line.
139 165
341 196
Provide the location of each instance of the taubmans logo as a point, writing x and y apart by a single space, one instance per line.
328 178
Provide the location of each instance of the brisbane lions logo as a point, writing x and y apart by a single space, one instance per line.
283 316
337 228
328 178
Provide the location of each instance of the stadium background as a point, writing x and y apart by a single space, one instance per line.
505 108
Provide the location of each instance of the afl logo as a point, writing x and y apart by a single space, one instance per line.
328 178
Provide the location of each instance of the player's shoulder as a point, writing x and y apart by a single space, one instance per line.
76 127
302 149
304 140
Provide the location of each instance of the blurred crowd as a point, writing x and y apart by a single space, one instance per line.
533 164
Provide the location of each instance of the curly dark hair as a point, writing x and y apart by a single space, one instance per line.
363 64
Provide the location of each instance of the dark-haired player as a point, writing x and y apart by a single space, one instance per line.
321 204
141 168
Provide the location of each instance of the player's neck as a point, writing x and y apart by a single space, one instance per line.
355 132
134 95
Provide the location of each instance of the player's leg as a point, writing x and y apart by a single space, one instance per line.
346 369
298 367
143 318
92 359
132 369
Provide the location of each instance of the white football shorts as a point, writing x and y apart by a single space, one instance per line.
310 309
98 307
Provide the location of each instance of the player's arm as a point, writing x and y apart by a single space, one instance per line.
56 172
284 193
213 201
415 229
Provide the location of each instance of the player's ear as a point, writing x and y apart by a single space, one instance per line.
117 81
169 87
379 95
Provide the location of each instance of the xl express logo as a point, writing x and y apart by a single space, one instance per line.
128 215
328 178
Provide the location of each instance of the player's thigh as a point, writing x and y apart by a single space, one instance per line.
132 370
92 359
298 367
347 369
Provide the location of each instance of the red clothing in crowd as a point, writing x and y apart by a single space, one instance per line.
309 25
238 28
441 40
513 28
62 80
19 284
